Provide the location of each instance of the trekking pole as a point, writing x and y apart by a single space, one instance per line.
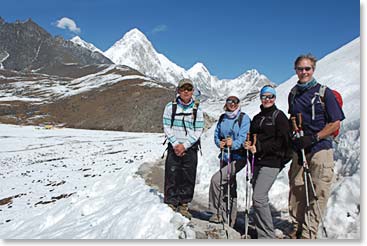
298 135
307 173
229 183
253 156
221 182
249 175
247 202
252 170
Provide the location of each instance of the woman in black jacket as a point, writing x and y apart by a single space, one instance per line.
271 128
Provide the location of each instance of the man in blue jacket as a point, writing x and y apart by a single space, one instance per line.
320 118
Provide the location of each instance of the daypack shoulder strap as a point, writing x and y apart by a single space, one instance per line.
322 92
174 109
239 119
322 96
221 117
274 116
291 96
195 111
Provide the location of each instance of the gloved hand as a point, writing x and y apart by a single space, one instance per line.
300 158
304 142
222 144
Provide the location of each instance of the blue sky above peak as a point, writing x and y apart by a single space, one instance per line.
229 37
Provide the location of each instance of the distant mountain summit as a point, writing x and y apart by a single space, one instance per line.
77 40
136 51
25 46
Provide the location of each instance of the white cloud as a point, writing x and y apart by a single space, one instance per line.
66 23
159 28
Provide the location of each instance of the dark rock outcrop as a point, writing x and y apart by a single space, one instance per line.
30 47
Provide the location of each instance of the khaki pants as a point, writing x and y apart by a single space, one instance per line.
321 165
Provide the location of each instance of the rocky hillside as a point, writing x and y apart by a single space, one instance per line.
25 46
113 98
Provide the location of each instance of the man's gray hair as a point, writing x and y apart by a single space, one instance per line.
309 56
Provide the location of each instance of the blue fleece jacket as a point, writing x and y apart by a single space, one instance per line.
230 128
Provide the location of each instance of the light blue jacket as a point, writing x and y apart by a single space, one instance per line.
230 128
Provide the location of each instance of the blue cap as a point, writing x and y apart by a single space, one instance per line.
267 89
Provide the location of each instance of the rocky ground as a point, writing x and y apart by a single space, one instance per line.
153 174
124 105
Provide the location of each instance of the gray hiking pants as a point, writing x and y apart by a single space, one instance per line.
264 178
218 192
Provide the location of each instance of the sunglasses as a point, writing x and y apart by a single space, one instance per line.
264 97
300 69
186 88
235 101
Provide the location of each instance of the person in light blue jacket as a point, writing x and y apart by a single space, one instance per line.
229 136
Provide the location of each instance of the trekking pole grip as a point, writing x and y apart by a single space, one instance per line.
299 120
227 140
254 136
294 124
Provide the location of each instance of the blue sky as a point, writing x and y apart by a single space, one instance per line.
228 37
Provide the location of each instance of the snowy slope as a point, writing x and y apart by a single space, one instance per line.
136 51
44 89
74 184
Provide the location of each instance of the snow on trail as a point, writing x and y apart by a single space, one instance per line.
70 184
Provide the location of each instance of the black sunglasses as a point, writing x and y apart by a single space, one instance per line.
186 88
235 101
300 69
264 97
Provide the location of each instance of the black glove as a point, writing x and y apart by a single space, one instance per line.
300 158
304 142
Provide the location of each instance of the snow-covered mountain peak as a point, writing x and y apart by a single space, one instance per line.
136 51
198 67
252 73
76 39
135 34
133 37
79 41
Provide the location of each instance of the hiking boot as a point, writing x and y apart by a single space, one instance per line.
216 218
294 234
173 207
184 210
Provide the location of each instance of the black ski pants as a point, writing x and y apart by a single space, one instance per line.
180 176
